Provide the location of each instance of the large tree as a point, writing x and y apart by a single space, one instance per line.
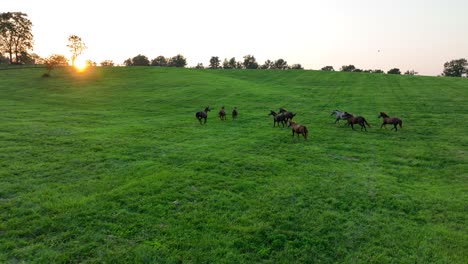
347 68
16 36
328 68
394 71
280 64
250 62
455 68
215 63
159 61
76 47
140 60
178 61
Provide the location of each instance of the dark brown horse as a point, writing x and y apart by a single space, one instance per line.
287 115
390 120
277 118
203 115
352 120
234 113
222 113
298 129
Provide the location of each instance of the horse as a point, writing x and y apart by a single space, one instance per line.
203 115
234 113
287 115
277 118
390 120
357 120
339 115
298 129
222 113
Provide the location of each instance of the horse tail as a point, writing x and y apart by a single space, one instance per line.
306 132
401 123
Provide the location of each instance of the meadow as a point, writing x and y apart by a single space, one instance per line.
111 166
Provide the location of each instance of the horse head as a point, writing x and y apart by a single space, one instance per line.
382 114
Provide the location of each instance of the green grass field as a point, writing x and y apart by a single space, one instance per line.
111 166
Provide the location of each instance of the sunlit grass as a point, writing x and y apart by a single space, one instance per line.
111 165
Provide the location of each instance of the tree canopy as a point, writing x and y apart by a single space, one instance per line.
455 68
16 36
76 47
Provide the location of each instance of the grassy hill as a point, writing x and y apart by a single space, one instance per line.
110 165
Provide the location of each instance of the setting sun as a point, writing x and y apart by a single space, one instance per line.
80 65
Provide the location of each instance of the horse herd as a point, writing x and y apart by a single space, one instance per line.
285 117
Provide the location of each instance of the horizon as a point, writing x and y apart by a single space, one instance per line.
419 36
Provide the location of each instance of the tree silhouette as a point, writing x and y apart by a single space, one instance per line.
16 36
455 68
76 47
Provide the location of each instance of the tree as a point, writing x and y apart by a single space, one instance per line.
394 71
107 63
76 47
328 68
53 62
140 60
297 66
199 66
178 61
16 36
128 62
250 62
412 72
267 65
455 68
280 64
347 68
159 61
377 71
215 63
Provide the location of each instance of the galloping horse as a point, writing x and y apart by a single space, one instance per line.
339 115
203 115
357 120
222 113
287 115
298 129
390 120
277 118
234 113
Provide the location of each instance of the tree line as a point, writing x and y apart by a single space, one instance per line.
17 43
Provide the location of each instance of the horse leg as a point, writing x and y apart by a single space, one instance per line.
382 126
395 127
363 126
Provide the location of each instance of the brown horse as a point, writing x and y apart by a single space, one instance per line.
390 120
203 115
298 129
234 113
222 113
277 118
357 120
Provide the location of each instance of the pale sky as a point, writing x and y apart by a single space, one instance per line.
418 35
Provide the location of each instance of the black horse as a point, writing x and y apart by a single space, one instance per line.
203 115
277 118
234 113
287 115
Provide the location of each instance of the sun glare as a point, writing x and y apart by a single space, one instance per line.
80 65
